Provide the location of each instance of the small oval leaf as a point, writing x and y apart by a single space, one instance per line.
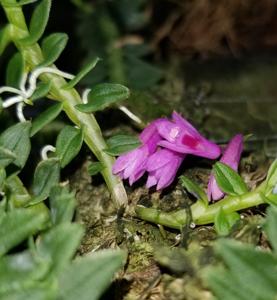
17 225
38 22
104 95
17 139
41 91
46 117
6 157
68 145
228 180
85 70
194 189
95 168
47 175
224 222
5 38
52 46
15 70
121 143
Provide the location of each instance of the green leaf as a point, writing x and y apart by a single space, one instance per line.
17 139
89 276
224 222
41 91
2 178
17 225
11 3
69 143
94 168
18 195
271 179
24 2
6 157
5 38
15 70
52 47
228 180
38 291
250 273
59 245
194 189
46 117
119 144
104 95
20 270
47 175
62 205
81 74
271 226
38 23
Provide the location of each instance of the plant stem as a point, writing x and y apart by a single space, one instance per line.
200 214
32 55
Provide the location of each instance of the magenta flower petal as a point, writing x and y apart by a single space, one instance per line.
162 167
182 137
132 165
151 181
230 157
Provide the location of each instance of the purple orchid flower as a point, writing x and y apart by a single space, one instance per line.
180 136
132 164
230 157
162 167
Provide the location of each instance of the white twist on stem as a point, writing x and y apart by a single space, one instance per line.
85 96
19 111
45 150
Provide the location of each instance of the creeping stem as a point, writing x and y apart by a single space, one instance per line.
201 214
33 56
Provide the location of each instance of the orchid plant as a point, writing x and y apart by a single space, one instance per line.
165 144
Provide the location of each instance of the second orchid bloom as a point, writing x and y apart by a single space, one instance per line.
165 144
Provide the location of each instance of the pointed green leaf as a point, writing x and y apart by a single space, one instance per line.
254 270
228 180
5 38
94 168
18 194
86 69
38 22
59 245
194 189
24 2
271 179
15 70
47 175
69 143
2 178
104 95
6 157
46 117
119 144
89 276
224 222
20 270
41 290
62 205
41 91
271 226
17 139
52 47
17 225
